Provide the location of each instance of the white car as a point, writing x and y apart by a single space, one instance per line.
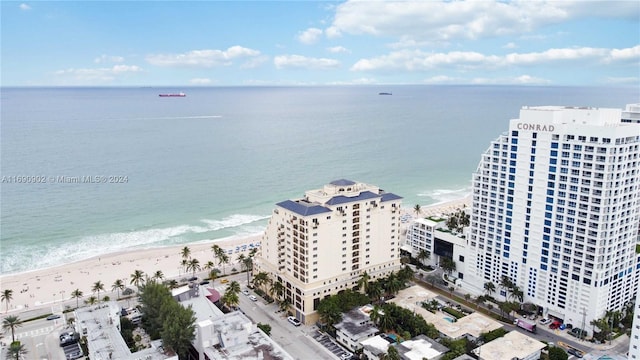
253 298
545 321
294 321
246 292
345 356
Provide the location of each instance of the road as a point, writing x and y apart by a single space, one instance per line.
295 340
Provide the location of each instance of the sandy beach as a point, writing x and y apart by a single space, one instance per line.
49 287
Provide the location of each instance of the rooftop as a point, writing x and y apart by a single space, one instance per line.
104 340
474 324
356 324
376 345
513 345
421 347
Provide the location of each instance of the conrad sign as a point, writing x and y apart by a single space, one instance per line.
535 127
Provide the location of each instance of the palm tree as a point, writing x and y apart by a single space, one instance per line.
16 351
506 284
11 322
423 255
374 292
233 286
224 259
448 265
209 265
185 253
489 288
77 294
213 275
363 282
194 265
247 263
97 287
278 289
517 294
184 263
117 286
240 260
172 284
260 279
91 300
417 209
137 278
7 296
230 299
158 275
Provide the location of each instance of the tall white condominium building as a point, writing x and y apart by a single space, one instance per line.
556 205
634 341
321 244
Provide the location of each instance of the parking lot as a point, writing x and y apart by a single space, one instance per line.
328 343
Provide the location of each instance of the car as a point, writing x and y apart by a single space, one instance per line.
577 332
575 352
224 281
554 325
53 317
345 356
246 292
294 321
545 321
253 298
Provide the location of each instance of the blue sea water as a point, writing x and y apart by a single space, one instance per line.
213 164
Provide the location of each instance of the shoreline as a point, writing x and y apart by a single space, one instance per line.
54 285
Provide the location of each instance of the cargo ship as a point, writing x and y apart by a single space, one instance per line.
181 94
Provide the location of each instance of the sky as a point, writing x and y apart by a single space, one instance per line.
244 43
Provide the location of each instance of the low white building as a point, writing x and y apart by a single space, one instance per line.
375 347
513 345
355 327
421 348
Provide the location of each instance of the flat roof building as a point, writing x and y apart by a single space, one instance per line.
513 345
355 327
321 244
556 208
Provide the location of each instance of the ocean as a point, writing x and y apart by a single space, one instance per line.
90 171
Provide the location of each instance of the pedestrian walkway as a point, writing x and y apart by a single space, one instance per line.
41 331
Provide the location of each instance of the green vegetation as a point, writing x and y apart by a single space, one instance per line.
492 335
453 312
266 328
164 318
331 308
456 348
391 317
556 353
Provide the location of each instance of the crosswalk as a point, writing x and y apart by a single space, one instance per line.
41 331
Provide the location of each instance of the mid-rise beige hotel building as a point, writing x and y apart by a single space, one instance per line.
322 243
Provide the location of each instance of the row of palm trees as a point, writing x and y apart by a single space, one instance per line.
511 289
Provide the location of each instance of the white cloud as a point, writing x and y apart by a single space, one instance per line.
99 75
623 80
200 81
310 36
510 46
555 55
444 20
416 60
25 7
520 80
108 59
338 49
303 62
624 54
202 58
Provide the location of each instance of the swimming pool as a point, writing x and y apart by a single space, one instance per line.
449 319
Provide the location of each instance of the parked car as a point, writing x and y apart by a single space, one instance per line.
577 332
345 356
224 281
53 317
545 321
554 325
253 298
294 321
574 352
